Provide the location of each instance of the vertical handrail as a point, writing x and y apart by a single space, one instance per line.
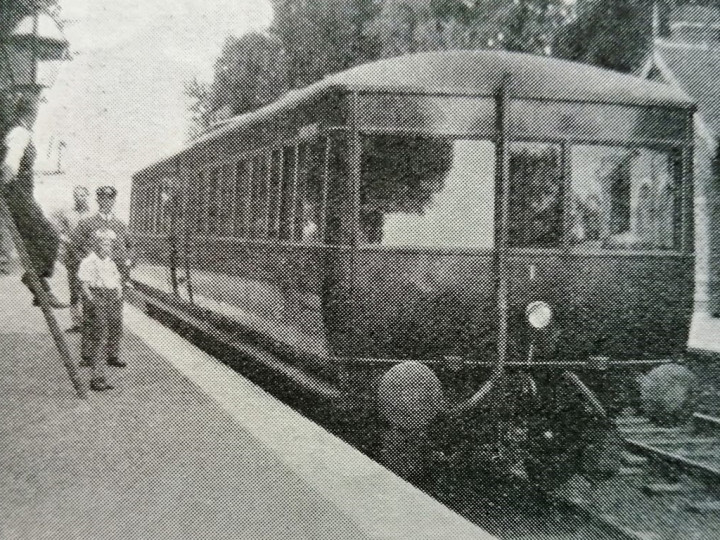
504 138
43 299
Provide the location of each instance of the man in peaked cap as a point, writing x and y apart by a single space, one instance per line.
83 240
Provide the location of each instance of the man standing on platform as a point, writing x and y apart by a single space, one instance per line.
67 220
38 235
83 240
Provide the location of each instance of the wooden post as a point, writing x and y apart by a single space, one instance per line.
43 299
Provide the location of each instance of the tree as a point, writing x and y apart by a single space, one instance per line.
515 25
312 38
200 106
250 72
614 34
325 36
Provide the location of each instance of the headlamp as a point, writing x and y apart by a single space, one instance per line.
538 314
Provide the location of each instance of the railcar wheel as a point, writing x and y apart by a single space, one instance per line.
409 397
668 394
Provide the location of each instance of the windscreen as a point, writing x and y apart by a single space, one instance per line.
536 195
623 198
427 192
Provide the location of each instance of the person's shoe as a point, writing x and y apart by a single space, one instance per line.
100 385
85 362
116 362
75 329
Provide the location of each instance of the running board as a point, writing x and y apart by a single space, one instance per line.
263 357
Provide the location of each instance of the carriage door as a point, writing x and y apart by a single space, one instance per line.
170 206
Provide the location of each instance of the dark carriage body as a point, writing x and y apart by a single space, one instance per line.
413 208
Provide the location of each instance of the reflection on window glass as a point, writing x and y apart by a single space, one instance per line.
164 210
427 192
622 198
536 195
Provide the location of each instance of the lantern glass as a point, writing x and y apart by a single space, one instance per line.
33 51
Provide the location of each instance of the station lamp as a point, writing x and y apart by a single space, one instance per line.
32 52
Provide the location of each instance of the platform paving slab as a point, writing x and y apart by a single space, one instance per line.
176 453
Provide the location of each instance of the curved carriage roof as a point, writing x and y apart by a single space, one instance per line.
478 73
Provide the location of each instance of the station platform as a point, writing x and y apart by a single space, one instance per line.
182 448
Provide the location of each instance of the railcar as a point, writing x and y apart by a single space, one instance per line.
463 252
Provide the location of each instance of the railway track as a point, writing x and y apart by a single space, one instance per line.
668 487
692 450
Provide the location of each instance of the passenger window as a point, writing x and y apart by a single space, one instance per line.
225 201
197 193
144 211
623 198
213 190
536 196
164 195
260 184
275 186
427 192
287 192
154 208
243 189
309 205
339 202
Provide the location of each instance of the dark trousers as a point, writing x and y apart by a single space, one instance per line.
73 282
102 328
40 239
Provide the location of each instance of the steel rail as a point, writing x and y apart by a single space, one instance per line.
705 471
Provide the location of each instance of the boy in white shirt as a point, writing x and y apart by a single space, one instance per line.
102 306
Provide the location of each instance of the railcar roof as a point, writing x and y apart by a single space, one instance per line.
479 73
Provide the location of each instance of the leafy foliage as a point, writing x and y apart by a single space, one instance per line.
616 34
312 38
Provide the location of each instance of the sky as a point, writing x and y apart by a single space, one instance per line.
118 105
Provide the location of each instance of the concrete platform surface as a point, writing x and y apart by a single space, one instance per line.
183 448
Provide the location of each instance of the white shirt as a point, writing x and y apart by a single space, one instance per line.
16 141
99 273
66 219
106 217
